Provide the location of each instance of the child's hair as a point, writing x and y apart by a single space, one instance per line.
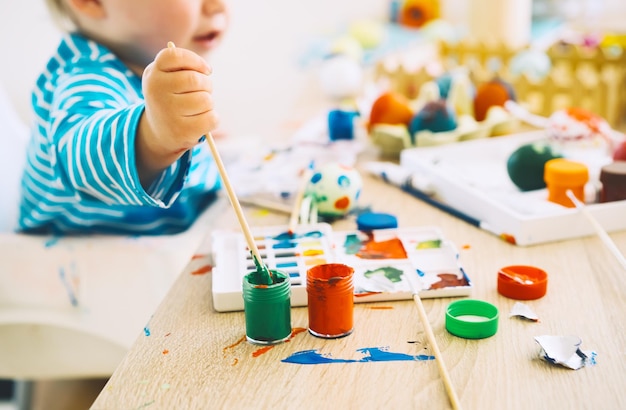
61 14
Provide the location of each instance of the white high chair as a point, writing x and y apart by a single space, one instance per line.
72 307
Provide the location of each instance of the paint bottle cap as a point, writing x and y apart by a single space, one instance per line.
370 221
564 172
522 282
472 319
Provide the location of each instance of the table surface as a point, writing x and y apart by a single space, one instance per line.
192 357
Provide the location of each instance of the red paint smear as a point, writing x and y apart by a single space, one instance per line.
166 351
262 350
380 307
198 256
202 270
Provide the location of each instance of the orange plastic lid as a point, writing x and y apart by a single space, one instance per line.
561 171
522 282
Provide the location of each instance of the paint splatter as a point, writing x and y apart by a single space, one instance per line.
146 331
380 307
449 280
69 287
198 256
389 249
262 350
165 351
232 346
203 270
52 241
431 244
150 403
371 354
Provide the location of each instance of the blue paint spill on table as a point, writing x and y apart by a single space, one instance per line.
371 354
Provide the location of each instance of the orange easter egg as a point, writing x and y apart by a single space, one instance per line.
494 92
416 13
390 108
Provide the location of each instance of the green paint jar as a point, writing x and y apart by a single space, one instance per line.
267 308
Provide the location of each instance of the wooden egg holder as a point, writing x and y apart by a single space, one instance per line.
591 79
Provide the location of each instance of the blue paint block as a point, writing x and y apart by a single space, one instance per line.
341 124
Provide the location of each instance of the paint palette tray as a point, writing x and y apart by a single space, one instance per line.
388 264
472 177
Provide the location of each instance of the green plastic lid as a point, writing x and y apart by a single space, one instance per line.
472 319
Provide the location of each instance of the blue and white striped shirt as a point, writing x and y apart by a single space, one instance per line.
80 174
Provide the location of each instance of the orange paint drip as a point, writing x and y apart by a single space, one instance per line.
235 361
380 307
262 350
297 330
237 343
466 246
203 270
508 238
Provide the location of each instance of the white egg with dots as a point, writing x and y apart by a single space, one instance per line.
335 189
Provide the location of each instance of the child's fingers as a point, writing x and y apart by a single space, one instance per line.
178 59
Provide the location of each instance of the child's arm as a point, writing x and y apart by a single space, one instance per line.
179 110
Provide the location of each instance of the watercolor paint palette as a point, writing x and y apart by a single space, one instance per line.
388 264
472 177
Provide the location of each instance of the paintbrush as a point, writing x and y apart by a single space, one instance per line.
263 273
606 239
297 206
454 400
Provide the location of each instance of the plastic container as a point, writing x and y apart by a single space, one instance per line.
562 175
267 308
613 179
522 282
330 292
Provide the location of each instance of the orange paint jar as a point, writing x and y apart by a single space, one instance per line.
562 175
330 293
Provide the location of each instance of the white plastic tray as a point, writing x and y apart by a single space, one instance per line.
376 278
471 177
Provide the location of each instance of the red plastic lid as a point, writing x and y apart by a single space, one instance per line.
522 282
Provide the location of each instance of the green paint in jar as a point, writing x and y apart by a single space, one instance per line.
267 308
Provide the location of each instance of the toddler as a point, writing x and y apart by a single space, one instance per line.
119 119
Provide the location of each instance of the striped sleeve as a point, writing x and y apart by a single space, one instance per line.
92 130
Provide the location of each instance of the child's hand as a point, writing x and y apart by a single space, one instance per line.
179 108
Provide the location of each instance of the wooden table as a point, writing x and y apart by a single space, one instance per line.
194 357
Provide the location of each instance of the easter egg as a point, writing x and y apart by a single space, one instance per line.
341 77
368 33
416 13
335 189
525 165
390 108
436 116
494 92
